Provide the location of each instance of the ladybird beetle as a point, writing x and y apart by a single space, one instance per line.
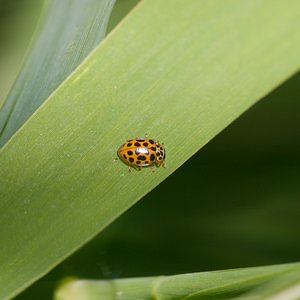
139 153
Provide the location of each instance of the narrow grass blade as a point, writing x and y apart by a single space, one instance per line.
216 285
69 31
283 287
192 70
17 24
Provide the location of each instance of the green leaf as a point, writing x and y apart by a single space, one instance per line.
283 287
17 23
228 284
192 70
69 31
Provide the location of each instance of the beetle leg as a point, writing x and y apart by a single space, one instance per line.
129 168
137 138
146 135
116 159
151 169
164 164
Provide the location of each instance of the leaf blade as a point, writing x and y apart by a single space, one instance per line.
61 160
226 284
69 31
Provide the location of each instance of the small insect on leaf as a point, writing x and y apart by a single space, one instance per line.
138 153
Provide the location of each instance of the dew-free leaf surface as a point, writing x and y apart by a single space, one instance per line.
179 71
248 283
69 30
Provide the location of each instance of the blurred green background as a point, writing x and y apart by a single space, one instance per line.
233 204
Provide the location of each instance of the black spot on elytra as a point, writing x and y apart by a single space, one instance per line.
131 159
151 142
129 152
129 144
137 144
152 157
124 155
158 154
161 153
145 144
160 158
141 157
138 162
164 154
146 162
141 140
153 148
